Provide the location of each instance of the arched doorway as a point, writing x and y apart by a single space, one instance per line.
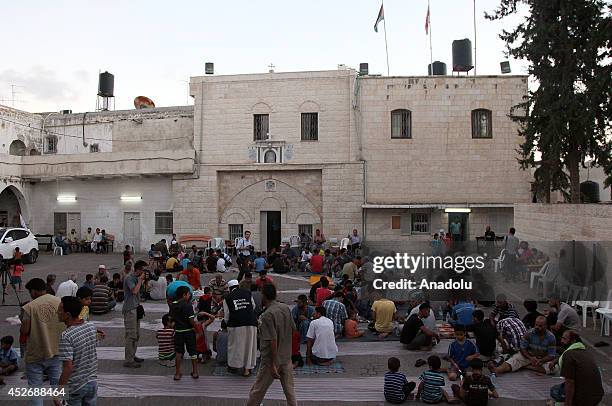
12 203
17 147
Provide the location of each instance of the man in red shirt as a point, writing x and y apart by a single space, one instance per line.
263 280
316 262
323 293
193 276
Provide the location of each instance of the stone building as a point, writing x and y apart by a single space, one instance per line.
396 158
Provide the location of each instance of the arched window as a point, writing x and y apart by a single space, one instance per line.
270 157
17 147
482 123
401 123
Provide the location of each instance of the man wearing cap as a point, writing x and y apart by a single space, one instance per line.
101 272
239 314
40 324
302 314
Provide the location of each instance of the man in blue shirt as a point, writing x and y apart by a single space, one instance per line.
260 263
462 314
8 358
538 348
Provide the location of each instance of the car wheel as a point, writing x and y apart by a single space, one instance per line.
33 256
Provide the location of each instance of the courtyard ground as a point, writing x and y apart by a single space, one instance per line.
364 363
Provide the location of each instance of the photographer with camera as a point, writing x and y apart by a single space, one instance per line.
131 287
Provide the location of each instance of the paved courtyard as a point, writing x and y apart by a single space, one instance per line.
364 363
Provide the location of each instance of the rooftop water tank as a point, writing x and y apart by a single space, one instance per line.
462 55
363 69
589 191
106 84
209 68
439 68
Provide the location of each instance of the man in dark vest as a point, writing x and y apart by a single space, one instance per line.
239 314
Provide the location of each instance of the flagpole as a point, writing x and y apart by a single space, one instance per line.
429 28
475 38
386 47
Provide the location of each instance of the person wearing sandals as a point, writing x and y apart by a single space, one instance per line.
181 312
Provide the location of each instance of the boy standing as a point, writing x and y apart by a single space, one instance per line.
220 344
165 342
397 388
430 389
184 336
474 390
460 353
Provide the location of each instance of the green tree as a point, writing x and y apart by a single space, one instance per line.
566 115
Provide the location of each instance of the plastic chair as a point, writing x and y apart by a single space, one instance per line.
344 243
605 312
538 275
497 262
295 241
57 248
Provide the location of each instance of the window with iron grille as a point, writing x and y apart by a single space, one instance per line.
305 228
235 231
164 223
420 223
482 123
401 124
60 223
310 126
261 127
51 145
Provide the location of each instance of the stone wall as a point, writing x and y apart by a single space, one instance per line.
17 125
441 163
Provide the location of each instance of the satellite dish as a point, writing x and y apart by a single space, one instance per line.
143 102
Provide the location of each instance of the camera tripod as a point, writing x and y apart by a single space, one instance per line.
5 274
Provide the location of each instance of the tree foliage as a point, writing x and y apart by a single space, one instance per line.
565 118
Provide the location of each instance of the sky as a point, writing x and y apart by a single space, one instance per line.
52 51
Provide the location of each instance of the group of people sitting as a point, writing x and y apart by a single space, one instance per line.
98 241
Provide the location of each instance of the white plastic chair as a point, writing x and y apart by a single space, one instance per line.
57 248
294 241
497 262
345 242
605 312
538 275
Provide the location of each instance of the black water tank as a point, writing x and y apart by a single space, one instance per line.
505 67
462 55
209 68
363 69
589 191
439 68
106 84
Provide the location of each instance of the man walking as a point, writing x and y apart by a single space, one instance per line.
239 314
131 288
77 351
276 329
40 324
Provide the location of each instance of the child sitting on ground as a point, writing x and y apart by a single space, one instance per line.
350 326
165 342
432 381
8 358
89 281
475 389
397 388
205 301
204 320
220 344
84 294
460 353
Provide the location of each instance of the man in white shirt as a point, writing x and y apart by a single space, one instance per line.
355 240
158 287
244 248
322 348
67 288
221 265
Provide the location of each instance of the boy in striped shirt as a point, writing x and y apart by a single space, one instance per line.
397 388
432 381
165 340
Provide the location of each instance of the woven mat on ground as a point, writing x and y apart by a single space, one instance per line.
385 347
368 336
519 386
221 370
334 368
445 330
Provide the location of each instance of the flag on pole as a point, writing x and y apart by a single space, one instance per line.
381 16
427 21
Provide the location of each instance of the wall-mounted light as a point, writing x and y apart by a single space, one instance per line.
457 210
131 198
66 198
